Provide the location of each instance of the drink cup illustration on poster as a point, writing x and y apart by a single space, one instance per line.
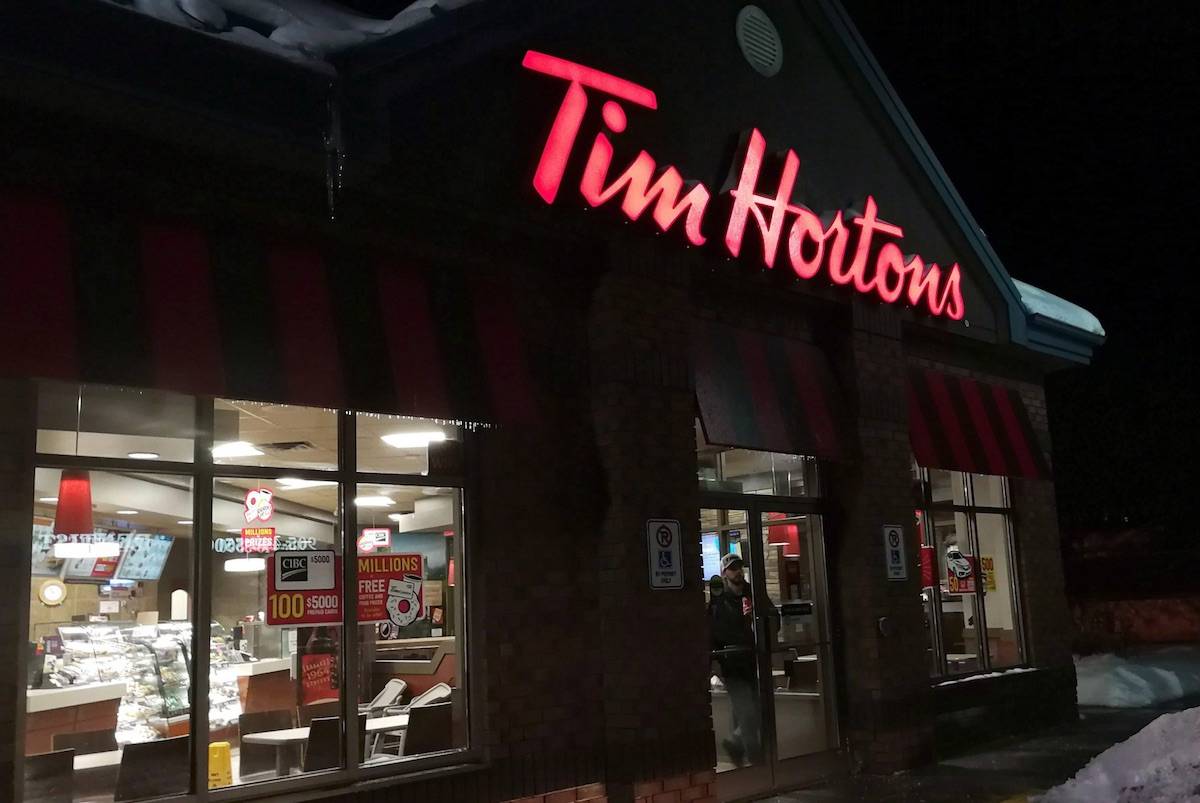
404 600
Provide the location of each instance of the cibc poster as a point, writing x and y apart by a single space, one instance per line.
304 588
391 588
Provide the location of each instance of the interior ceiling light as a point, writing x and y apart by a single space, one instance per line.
184 521
413 440
245 565
236 449
104 549
48 499
297 484
127 512
143 455
372 501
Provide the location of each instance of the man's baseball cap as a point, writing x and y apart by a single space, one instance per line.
729 560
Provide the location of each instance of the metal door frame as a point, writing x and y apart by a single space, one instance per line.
775 773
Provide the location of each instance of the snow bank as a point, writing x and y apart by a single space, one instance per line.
1039 302
1160 764
1145 678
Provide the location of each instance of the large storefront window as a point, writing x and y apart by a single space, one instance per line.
154 512
969 577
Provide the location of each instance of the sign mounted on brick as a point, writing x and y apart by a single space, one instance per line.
893 551
664 554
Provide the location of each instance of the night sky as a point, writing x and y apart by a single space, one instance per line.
1070 129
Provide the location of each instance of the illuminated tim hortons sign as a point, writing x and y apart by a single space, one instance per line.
862 252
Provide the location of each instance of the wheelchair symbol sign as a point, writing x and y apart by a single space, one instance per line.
663 554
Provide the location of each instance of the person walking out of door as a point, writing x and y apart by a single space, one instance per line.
732 614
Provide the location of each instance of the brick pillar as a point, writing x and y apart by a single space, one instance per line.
657 720
17 423
885 682
1049 628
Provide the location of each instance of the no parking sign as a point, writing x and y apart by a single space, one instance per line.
664 553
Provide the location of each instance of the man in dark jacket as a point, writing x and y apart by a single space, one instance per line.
732 622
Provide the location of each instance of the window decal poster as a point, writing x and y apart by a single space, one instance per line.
960 572
304 588
391 588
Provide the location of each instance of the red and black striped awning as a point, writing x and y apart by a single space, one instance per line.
93 295
756 391
961 424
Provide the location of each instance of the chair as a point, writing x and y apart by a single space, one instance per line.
323 750
305 714
154 769
256 758
429 729
50 777
435 693
389 695
86 742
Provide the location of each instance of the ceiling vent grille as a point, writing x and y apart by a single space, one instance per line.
759 40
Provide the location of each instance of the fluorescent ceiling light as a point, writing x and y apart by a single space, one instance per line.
413 440
236 449
127 512
143 455
104 549
184 521
48 499
398 516
233 530
245 565
297 484
372 501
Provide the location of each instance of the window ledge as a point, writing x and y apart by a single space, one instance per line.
985 676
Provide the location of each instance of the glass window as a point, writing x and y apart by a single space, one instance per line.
957 578
989 490
110 633
1004 648
410 610
113 658
745 471
103 421
405 445
255 434
275 660
970 604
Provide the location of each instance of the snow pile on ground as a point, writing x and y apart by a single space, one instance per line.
1149 677
1039 302
1160 764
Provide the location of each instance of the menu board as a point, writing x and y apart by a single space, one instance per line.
144 557
43 563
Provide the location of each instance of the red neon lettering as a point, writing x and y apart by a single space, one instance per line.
811 244
664 192
552 165
746 202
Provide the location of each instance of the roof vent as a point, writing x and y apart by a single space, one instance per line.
759 40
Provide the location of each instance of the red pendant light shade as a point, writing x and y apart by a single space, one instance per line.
74 514
450 574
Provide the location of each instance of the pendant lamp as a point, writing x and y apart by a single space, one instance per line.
74 513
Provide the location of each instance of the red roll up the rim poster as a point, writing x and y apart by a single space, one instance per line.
391 588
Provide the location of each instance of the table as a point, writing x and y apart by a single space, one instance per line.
285 738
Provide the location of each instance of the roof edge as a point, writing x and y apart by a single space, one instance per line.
1035 332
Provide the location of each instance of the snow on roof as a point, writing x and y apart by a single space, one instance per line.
1048 305
305 31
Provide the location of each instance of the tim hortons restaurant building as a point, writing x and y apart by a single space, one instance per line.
395 424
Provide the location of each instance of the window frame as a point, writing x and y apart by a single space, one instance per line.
203 471
969 509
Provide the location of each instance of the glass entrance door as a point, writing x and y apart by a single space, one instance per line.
772 682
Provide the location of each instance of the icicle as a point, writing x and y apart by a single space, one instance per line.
335 153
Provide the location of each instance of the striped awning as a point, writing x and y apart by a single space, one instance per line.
962 424
757 391
92 295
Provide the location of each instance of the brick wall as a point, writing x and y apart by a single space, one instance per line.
888 717
16 500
